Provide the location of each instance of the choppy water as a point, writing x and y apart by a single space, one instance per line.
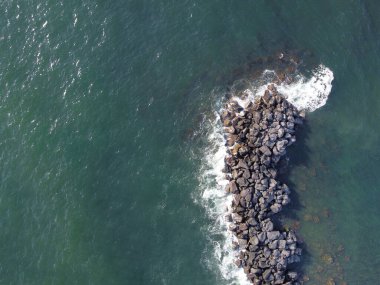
104 111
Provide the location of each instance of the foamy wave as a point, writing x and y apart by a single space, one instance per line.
217 204
305 94
309 94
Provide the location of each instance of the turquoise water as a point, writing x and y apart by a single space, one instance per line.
101 111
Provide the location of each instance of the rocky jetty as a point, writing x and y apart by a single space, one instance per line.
257 137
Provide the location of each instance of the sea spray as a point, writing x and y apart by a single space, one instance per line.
216 201
307 94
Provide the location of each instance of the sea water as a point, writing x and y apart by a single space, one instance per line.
111 149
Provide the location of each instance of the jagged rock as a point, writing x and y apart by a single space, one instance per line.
273 235
232 188
267 226
254 240
242 164
276 208
262 236
236 218
242 181
243 242
267 275
252 222
257 137
273 244
293 275
265 150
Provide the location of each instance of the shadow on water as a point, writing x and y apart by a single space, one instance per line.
297 156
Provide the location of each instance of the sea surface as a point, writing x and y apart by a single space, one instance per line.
109 131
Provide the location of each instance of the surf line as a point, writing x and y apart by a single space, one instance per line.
257 135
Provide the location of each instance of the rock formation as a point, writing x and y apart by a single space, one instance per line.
257 137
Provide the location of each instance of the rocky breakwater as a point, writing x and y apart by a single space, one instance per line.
257 137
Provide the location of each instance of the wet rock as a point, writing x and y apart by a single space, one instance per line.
242 164
252 222
231 187
262 236
273 235
242 242
267 275
267 226
254 240
242 182
273 244
293 275
265 150
243 150
236 218
276 208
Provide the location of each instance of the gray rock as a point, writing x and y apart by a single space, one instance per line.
242 164
276 208
242 181
267 274
273 235
252 222
263 263
280 132
228 218
293 275
267 252
242 242
243 227
232 187
279 278
276 253
290 125
268 226
273 244
236 218
243 150
293 259
244 192
281 143
262 236
265 150
246 174
282 244
254 240
229 130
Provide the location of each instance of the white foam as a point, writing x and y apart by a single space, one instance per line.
309 94
217 203
305 94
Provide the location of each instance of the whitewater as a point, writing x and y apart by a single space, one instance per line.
308 94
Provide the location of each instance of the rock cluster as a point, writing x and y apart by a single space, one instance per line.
257 137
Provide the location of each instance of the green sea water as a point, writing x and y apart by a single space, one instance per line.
102 105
